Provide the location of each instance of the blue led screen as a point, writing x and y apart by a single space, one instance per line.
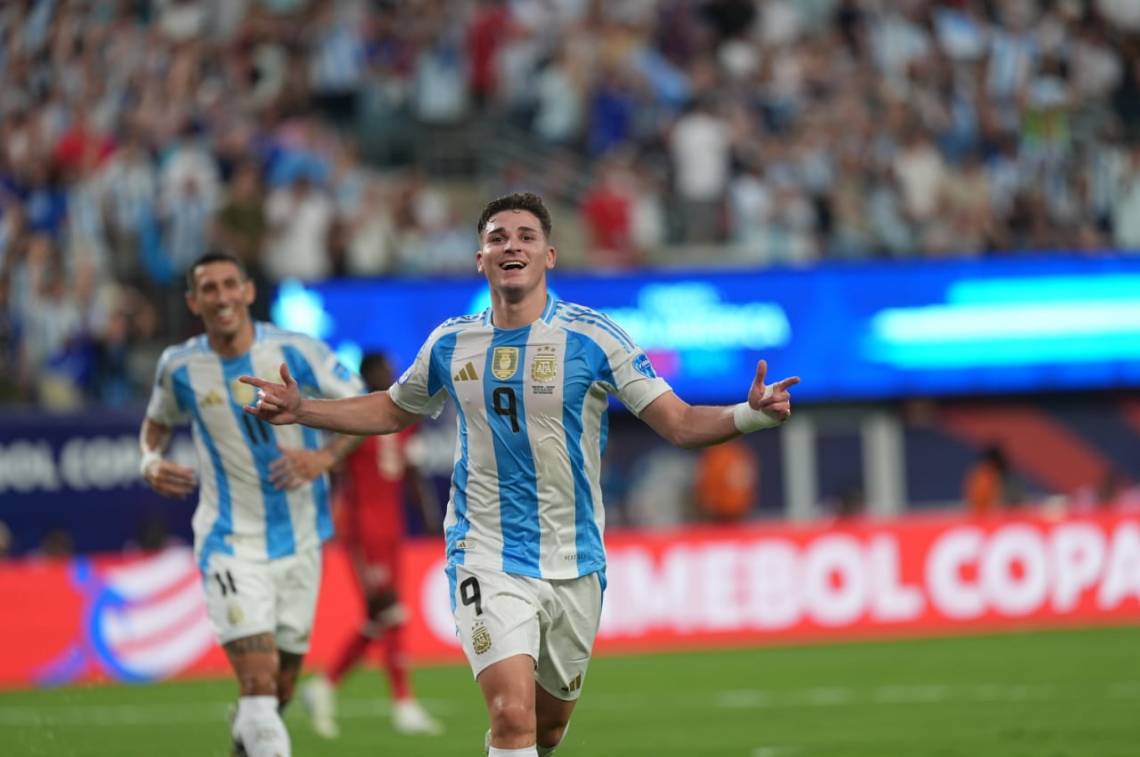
852 332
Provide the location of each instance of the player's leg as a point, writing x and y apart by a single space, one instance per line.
386 619
318 695
508 692
257 727
572 612
288 670
240 605
497 618
552 718
296 580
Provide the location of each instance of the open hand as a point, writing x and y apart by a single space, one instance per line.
773 399
276 403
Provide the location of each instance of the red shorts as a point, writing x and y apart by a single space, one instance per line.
379 570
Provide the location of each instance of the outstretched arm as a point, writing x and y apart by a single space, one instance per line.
281 404
701 425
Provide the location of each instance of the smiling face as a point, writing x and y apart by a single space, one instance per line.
515 254
221 295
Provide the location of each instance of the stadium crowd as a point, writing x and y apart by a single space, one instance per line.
134 135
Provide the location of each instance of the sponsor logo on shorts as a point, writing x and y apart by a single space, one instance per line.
480 637
234 615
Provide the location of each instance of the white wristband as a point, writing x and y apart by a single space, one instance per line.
748 419
149 457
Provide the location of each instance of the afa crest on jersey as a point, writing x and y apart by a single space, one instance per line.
544 367
505 362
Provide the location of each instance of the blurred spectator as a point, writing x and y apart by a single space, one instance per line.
301 216
133 137
337 62
1126 208
241 228
989 485
700 145
727 482
128 187
607 209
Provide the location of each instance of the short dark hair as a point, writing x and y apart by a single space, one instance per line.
516 201
215 256
372 359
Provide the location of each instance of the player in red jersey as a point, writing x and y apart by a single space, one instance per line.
371 526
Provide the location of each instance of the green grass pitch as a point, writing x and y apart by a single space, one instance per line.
1033 694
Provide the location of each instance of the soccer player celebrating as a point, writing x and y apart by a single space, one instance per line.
263 507
371 526
530 377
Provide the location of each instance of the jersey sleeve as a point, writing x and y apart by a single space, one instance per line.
636 384
634 381
321 374
421 389
163 406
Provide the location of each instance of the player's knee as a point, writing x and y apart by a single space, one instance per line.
510 717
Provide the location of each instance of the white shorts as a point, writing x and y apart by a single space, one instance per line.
246 598
499 615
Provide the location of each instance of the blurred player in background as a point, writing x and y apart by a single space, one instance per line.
263 507
371 525
531 378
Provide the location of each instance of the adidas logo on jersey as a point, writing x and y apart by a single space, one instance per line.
467 374
212 398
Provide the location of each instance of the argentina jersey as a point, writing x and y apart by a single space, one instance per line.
240 512
531 409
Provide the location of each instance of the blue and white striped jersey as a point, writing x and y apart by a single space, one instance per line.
239 510
531 407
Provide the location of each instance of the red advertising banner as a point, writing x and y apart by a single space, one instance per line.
141 618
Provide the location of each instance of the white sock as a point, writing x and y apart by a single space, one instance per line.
260 728
526 751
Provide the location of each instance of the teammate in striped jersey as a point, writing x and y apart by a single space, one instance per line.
263 507
530 377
